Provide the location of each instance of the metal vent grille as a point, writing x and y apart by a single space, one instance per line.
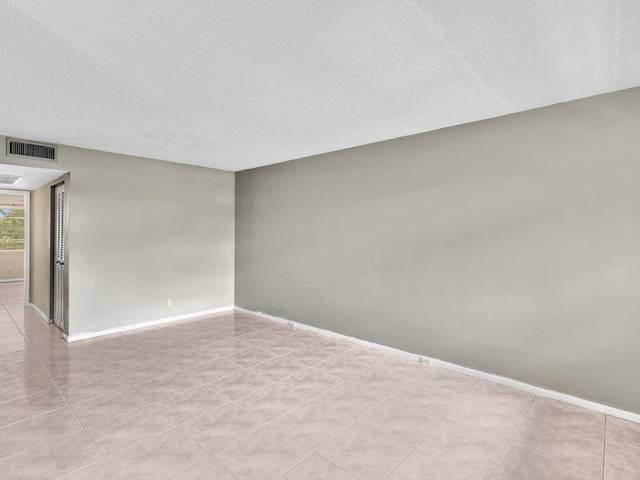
9 179
28 149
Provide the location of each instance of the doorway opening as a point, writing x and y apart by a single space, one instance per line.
12 238
33 241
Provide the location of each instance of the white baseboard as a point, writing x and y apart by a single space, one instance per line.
40 313
10 280
125 328
509 382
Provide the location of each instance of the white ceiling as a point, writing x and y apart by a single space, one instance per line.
235 84
32 177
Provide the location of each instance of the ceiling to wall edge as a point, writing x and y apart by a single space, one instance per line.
6 135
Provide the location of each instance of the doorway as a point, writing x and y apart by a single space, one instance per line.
12 238
58 255
36 187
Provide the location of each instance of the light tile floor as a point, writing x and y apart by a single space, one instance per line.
231 396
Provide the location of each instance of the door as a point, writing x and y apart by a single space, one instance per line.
59 256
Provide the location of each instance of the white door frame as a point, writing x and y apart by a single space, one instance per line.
27 237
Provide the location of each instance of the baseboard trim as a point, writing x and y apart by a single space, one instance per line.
125 328
40 313
509 382
11 280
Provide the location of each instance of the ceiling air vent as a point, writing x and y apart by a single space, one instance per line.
29 149
9 179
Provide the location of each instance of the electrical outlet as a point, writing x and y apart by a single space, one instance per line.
170 302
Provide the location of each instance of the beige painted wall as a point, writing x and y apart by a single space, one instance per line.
11 264
510 245
40 260
142 231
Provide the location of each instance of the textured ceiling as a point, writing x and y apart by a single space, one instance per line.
235 84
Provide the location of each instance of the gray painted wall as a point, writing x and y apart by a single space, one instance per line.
510 245
143 231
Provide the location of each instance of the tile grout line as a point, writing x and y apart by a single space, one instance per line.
297 407
67 405
604 447
177 427
513 438
230 402
315 451
573 432
431 429
265 386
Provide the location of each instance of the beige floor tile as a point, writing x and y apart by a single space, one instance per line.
369 355
25 385
250 358
485 417
465 449
192 358
561 446
129 429
284 345
52 459
105 407
419 466
342 366
38 430
381 379
355 399
21 408
162 388
207 469
190 404
447 379
365 452
238 384
97 471
623 433
268 335
435 399
567 416
309 355
209 371
270 402
262 455
315 467
402 367
91 387
77 372
399 422
159 457
218 428
501 396
147 371
228 346
522 465
277 368
621 464
309 382
314 424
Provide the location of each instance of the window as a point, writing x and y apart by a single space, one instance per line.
11 229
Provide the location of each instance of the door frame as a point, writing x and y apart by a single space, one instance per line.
27 238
